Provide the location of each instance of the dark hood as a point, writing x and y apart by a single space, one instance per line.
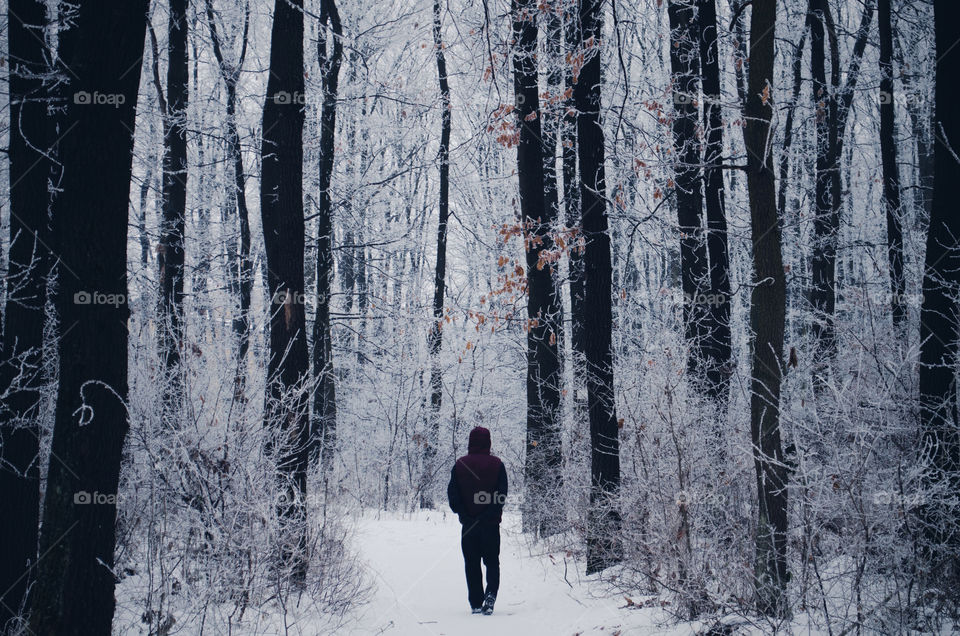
479 441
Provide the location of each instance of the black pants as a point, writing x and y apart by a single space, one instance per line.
480 541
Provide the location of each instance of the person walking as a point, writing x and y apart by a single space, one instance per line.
477 492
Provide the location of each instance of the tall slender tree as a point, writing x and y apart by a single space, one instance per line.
102 49
788 129
939 331
891 171
571 211
834 106
230 73
324 425
719 349
435 337
21 374
170 259
603 533
688 181
543 452
281 208
826 223
767 314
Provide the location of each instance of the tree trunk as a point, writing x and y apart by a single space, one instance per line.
835 109
171 255
891 171
719 349
21 373
231 76
767 310
324 424
281 201
791 109
543 450
940 445
571 202
603 532
73 593
552 123
435 337
685 70
826 223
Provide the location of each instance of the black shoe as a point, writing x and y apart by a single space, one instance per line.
476 610
488 602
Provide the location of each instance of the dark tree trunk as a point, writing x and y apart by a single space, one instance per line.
281 201
543 450
603 533
826 221
171 255
767 310
688 183
940 441
142 217
73 593
324 426
21 373
230 72
834 109
718 341
435 337
891 171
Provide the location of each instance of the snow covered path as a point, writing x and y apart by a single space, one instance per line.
418 570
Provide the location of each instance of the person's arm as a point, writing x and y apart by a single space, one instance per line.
501 489
453 492
502 483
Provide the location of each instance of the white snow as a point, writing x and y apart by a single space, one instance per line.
421 590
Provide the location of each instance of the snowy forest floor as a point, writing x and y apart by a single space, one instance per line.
420 588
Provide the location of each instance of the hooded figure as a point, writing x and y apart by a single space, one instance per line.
477 492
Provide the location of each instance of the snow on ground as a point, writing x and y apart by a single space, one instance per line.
420 587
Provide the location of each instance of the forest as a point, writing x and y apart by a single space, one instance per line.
266 264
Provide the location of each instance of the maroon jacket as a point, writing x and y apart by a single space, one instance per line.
478 482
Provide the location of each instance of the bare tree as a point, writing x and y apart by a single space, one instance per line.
75 580
603 540
324 397
21 373
281 201
719 348
767 312
688 178
891 171
435 336
939 332
173 106
230 73
543 452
